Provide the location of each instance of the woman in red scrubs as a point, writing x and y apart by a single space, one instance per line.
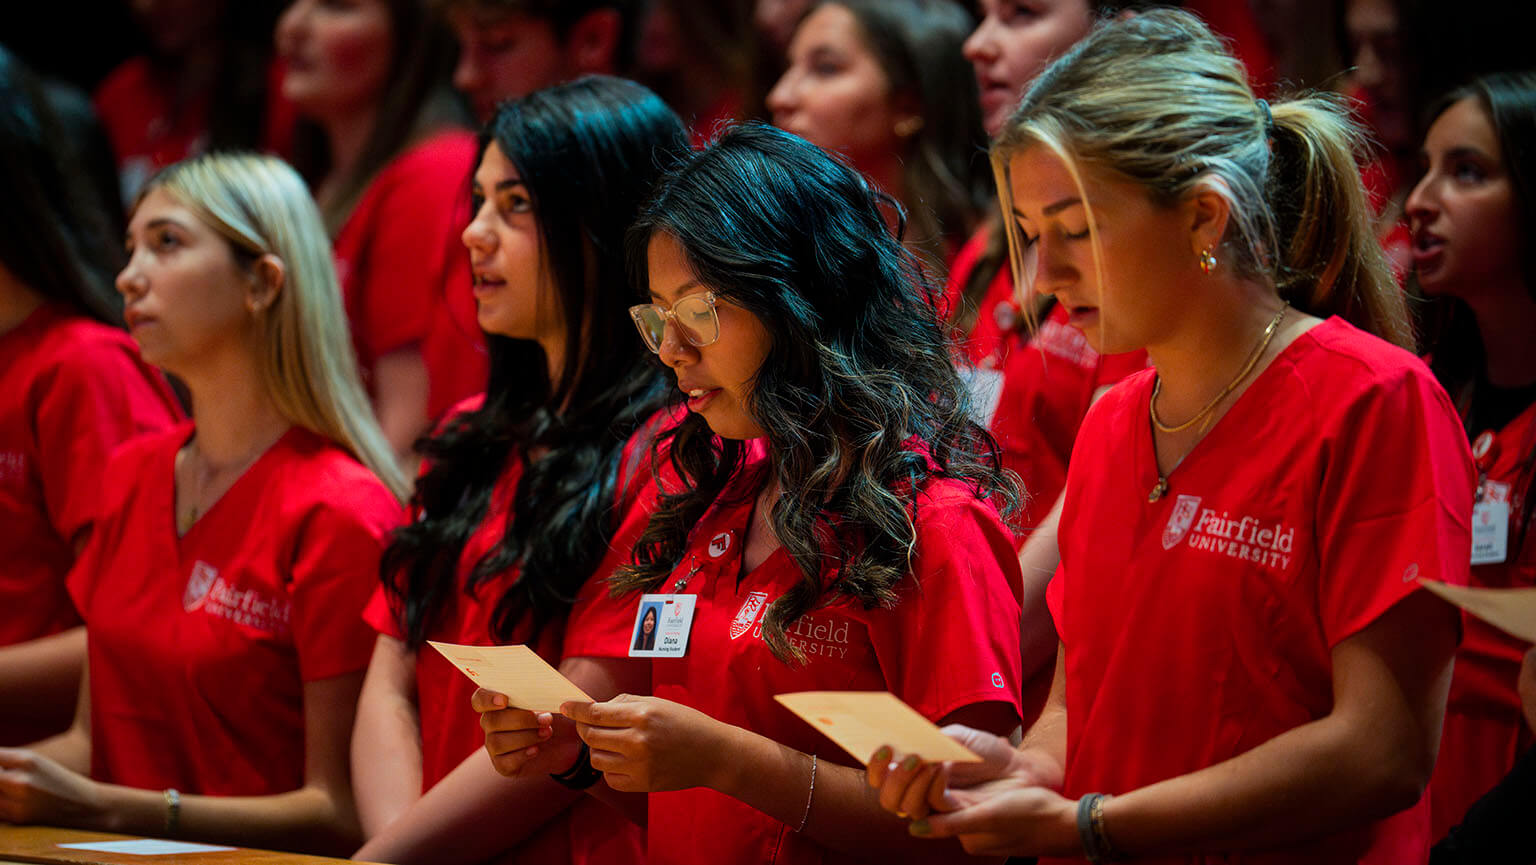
1473 229
833 523
225 578
534 494
72 388
1249 669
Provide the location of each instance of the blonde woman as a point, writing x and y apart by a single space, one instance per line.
223 585
1249 669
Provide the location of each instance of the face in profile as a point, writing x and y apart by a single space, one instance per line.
1144 252
1374 30
186 298
717 350
513 293
1462 212
1014 42
336 55
503 56
835 93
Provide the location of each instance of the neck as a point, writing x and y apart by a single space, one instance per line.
1505 321
346 134
1210 344
234 415
17 301
554 357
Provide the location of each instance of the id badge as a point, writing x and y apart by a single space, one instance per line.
1490 525
662 626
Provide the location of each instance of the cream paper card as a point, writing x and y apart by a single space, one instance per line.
1510 610
862 721
516 671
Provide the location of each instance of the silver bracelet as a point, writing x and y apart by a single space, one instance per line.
806 818
172 811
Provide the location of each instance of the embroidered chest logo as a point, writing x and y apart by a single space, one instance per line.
1180 520
751 610
1267 543
211 594
719 544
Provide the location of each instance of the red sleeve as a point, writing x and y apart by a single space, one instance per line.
953 638
380 614
414 213
1378 526
115 486
335 572
97 399
1056 602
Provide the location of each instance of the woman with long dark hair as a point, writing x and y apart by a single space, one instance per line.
72 388
1249 668
833 519
534 493
1474 254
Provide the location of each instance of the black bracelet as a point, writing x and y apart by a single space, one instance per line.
581 775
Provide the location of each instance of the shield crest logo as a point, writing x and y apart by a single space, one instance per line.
747 616
1180 520
202 579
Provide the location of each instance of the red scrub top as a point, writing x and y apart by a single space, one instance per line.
71 391
1200 626
1485 731
148 131
405 274
951 641
450 730
200 645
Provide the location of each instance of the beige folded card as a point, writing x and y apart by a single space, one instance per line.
516 671
1509 610
862 721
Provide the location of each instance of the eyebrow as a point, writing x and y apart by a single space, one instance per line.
692 283
1051 209
152 224
502 185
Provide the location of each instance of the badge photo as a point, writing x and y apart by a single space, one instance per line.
662 626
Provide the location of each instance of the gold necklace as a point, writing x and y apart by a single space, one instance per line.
185 521
1161 486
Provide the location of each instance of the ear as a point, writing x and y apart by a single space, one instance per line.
268 277
909 116
592 46
1206 213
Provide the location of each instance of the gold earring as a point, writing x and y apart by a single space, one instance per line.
1207 261
908 127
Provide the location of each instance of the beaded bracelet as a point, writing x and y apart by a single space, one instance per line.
1090 828
172 811
806 818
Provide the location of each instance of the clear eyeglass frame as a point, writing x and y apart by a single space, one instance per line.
694 317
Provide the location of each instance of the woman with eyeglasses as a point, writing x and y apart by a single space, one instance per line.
833 523
534 491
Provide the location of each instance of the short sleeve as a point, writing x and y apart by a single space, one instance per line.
381 615
335 573
98 398
1395 503
413 214
1056 601
116 485
953 638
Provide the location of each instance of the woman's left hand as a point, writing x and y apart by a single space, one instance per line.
647 744
1007 817
35 789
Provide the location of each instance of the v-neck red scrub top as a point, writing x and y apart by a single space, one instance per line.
200 645
1200 626
951 641
1485 730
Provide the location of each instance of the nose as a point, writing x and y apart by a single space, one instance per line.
980 47
1053 269
477 236
675 351
130 282
467 76
1422 203
1369 72
290 22
781 98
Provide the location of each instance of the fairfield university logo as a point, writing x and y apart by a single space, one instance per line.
750 612
1246 538
211 594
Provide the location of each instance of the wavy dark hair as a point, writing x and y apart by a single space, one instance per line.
858 394
589 153
55 236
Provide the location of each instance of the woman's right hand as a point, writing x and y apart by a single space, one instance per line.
522 742
911 788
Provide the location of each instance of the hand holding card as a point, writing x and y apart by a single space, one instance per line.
862 721
516 671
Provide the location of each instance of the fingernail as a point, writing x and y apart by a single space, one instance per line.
919 828
499 701
882 756
910 763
